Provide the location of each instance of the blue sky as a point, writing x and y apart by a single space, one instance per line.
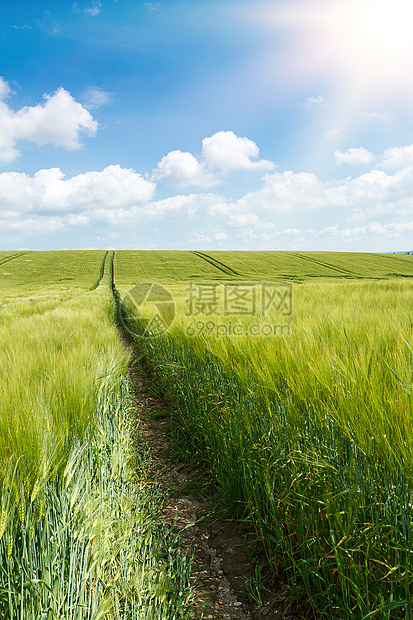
231 124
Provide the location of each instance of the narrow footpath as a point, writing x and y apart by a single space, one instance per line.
223 565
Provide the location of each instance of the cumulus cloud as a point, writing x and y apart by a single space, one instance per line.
242 220
178 169
369 195
220 236
248 235
181 206
228 152
397 157
32 225
359 155
222 153
286 191
394 230
329 230
115 196
59 120
47 191
198 239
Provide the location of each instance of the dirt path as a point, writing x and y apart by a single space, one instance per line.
223 554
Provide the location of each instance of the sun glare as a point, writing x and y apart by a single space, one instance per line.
383 27
364 47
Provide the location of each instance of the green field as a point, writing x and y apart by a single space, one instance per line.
57 270
175 266
79 536
308 430
308 433
305 265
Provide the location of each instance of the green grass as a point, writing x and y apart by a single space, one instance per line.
79 533
306 265
133 266
32 283
43 271
309 436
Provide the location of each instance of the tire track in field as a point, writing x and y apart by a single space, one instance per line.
112 273
102 271
216 263
222 549
323 264
7 259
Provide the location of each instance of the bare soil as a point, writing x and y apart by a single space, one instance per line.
225 556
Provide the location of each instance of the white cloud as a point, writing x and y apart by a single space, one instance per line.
359 155
223 152
178 169
376 189
397 157
311 101
227 152
94 98
242 220
393 230
59 121
369 195
220 236
25 27
33 226
248 235
182 206
219 208
198 239
94 9
329 230
47 191
4 89
305 208
286 191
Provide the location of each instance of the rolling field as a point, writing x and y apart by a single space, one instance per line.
298 396
174 266
309 430
317 264
79 537
51 269
163 266
33 282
